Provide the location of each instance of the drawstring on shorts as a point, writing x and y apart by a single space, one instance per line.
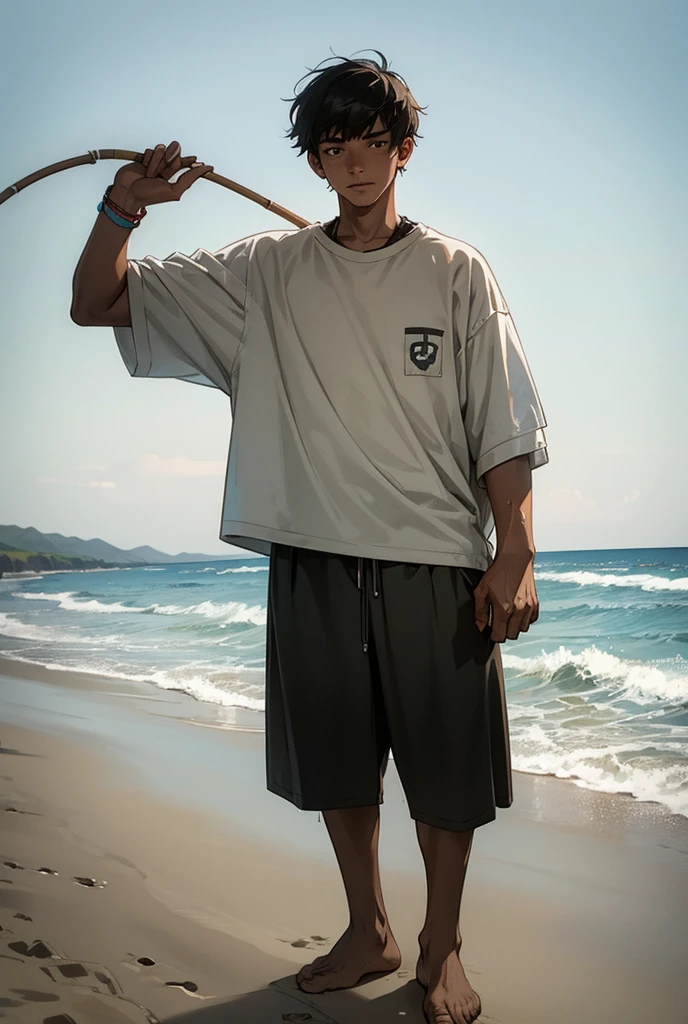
362 581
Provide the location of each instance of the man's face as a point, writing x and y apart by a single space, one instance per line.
364 160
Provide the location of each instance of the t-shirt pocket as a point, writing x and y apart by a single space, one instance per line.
423 351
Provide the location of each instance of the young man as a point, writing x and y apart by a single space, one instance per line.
384 419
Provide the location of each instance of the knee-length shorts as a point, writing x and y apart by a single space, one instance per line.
366 656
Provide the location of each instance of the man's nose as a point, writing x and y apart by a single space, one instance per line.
355 163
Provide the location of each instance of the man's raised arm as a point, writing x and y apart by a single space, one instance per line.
99 287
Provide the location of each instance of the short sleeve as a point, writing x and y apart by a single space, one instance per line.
503 415
187 315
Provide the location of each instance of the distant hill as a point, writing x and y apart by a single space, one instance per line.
19 542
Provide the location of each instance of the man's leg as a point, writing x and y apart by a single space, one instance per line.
367 946
439 970
327 743
443 691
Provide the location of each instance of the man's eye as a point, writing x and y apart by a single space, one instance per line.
376 142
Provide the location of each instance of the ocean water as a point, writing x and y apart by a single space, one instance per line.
597 690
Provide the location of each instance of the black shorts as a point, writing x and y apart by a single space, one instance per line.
364 656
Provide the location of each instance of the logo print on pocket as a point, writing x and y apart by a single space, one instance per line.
423 355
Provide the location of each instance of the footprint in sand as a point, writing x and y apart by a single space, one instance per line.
91 883
39 949
298 1018
136 963
90 978
306 943
76 969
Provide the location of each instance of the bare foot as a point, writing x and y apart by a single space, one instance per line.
352 956
450 998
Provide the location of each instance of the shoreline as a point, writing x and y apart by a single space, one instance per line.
232 889
36 573
218 716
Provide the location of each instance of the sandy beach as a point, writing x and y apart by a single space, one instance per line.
147 875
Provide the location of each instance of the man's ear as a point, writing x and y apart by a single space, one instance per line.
406 149
315 165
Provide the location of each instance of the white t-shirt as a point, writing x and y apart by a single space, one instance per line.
370 391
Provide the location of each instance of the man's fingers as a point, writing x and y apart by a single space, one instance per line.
174 165
520 620
532 610
529 616
508 619
188 177
516 624
155 160
482 606
500 618
518 617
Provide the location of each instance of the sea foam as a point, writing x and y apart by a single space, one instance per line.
645 581
227 611
640 681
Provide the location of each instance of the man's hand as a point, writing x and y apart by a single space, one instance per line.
508 586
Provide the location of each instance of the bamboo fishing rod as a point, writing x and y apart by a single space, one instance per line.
130 156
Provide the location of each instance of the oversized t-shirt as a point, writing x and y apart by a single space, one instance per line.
370 391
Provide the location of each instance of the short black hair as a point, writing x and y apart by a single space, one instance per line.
348 98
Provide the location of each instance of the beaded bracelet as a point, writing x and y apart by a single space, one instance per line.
102 208
122 217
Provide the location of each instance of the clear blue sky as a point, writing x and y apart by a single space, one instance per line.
554 142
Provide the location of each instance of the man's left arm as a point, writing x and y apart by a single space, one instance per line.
504 422
508 586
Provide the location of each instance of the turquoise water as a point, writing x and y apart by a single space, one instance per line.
597 689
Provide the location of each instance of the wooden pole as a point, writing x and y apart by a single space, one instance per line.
94 155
